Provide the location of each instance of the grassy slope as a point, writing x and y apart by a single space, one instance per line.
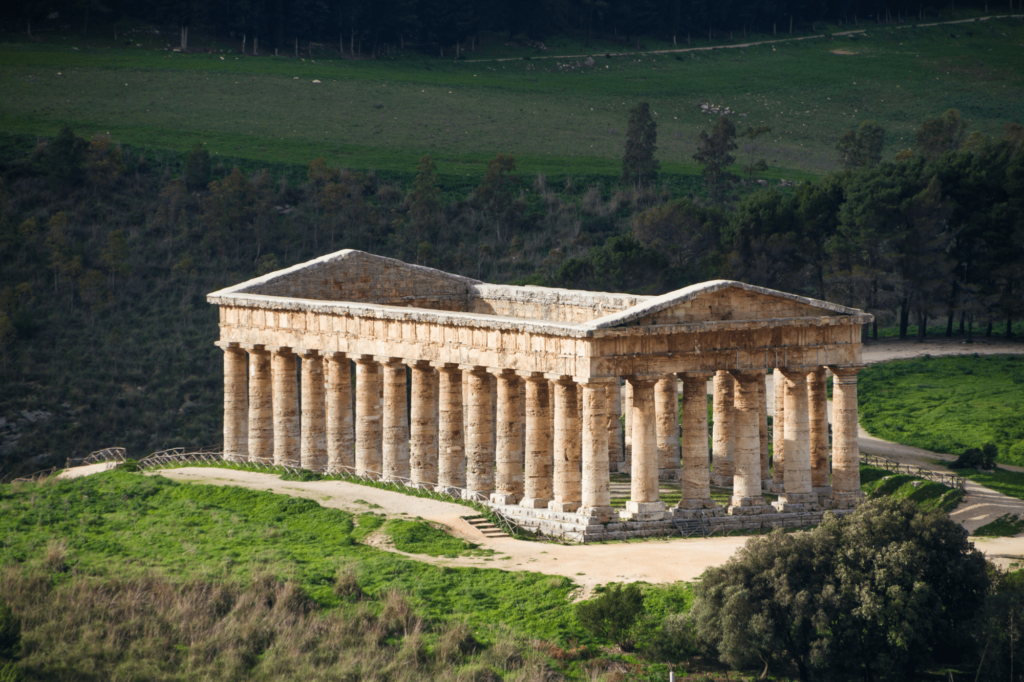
384 114
928 494
947 404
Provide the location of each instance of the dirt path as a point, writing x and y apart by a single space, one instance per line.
653 561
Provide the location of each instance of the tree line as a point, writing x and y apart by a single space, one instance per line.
362 27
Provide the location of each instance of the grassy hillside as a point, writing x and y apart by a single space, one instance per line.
947 404
384 114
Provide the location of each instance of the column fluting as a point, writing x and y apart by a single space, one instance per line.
236 405
479 430
746 489
723 437
797 494
395 444
566 452
451 465
508 455
368 418
596 493
696 479
286 409
538 484
313 447
846 492
340 429
817 401
261 407
644 502
666 409
423 441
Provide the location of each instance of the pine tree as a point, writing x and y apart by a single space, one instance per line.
863 147
639 167
714 152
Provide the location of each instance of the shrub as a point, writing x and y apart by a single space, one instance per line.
10 633
675 639
977 458
614 615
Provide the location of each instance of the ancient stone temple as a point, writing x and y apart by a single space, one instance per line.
514 395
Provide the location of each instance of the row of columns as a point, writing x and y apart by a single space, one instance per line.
552 452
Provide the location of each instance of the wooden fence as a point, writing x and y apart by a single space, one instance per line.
951 480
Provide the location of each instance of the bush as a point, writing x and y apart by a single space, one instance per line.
10 634
983 458
613 616
675 640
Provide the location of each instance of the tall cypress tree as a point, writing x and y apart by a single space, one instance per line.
639 167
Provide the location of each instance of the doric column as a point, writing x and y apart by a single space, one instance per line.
666 410
236 405
508 452
846 491
796 494
627 434
644 501
723 438
778 430
817 406
596 495
451 465
423 425
479 430
696 477
746 487
286 409
538 486
762 432
614 402
313 450
261 407
340 434
368 423
395 444
568 476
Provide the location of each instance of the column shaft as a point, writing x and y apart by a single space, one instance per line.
508 480
817 399
596 496
614 401
261 408
762 432
644 494
423 441
746 489
451 472
340 434
778 430
479 429
846 491
696 483
396 423
797 494
538 483
627 434
723 437
313 451
568 476
368 422
236 405
286 409
666 408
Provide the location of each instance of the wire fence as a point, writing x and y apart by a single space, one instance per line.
950 480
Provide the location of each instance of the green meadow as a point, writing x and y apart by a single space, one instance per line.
385 113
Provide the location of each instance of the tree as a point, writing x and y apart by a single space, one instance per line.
495 192
104 162
687 233
889 588
940 135
714 153
197 168
862 147
425 204
639 167
63 160
752 148
614 615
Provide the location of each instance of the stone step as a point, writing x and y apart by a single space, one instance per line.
488 529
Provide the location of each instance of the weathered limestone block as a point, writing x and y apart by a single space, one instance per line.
723 437
644 502
451 472
596 498
261 407
396 422
778 431
746 490
627 436
538 483
423 425
615 446
340 427
368 418
797 494
817 399
286 409
666 408
696 479
313 450
508 480
846 491
236 405
479 430
566 455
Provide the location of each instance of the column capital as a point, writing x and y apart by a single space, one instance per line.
388 360
596 381
795 372
635 379
531 376
845 370
696 375
420 364
746 375
474 369
226 345
501 372
553 376
281 350
308 353
364 360
335 355
445 366
254 348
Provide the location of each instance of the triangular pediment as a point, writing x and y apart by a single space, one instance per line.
361 277
721 301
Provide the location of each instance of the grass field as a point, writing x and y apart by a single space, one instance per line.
384 114
947 404
928 494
